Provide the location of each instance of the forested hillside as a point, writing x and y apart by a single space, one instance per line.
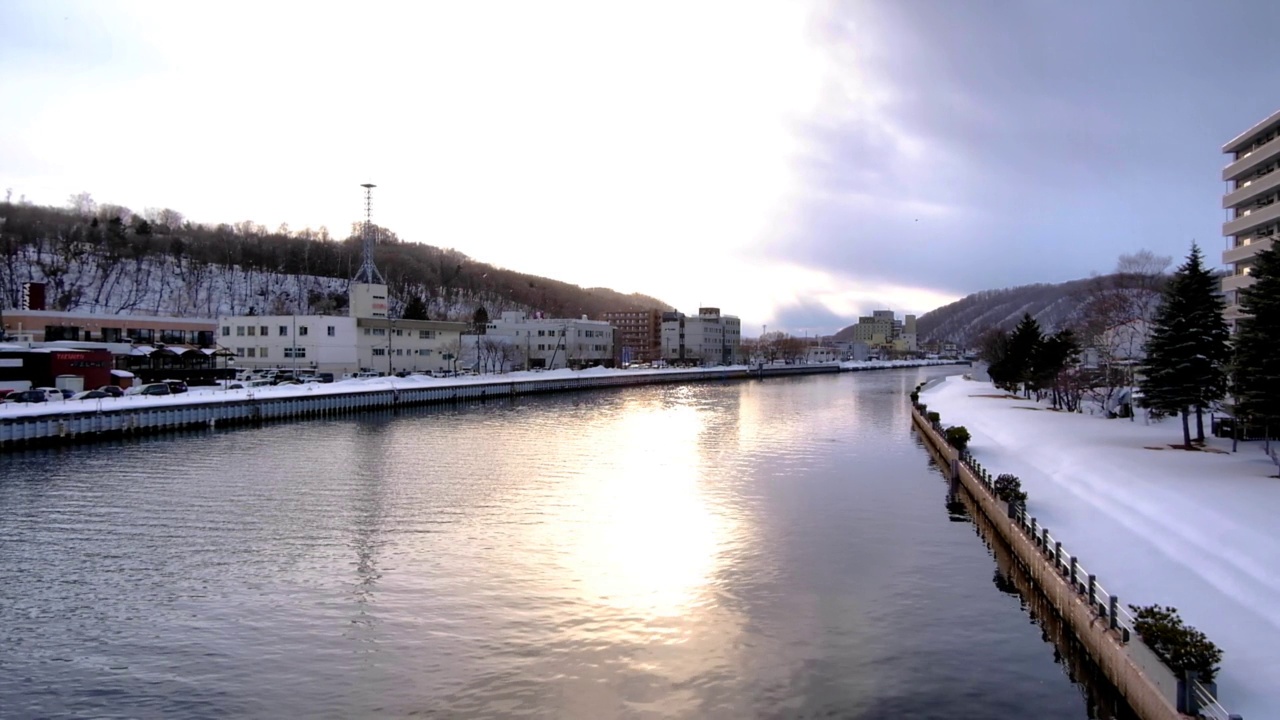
1054 306
110 260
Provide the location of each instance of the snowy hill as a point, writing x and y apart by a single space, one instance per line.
121 263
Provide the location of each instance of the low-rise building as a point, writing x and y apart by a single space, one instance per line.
39 326
707 338
539 342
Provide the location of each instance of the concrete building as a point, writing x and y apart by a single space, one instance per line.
340 344
543 342
708 338
881 331
37 326
638 334
1252 203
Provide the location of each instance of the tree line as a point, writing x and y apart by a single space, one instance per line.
434 277
1187 364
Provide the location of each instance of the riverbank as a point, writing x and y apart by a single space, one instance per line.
85 421
1160 525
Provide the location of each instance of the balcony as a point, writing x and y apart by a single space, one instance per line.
1240 196
1244 252
1258 217
1251 161
1236 282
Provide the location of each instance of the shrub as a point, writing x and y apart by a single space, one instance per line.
957 437
1009 489
933 417
922 407
915 397
1180 646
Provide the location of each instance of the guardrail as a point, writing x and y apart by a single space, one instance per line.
1187 694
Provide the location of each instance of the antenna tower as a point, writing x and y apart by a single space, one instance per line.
368 272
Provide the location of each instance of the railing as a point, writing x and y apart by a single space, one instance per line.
1187 694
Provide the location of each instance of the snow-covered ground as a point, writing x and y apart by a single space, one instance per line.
1195 530
198 395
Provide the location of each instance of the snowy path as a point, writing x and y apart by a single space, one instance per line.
1196 530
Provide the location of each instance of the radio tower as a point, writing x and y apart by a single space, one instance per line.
368 272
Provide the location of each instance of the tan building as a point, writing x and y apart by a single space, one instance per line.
638 334
54 325
707 338
1252 202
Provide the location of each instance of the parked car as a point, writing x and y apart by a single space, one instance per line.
175 386
158 388
90 395
57 393
112 390
34 395
6 392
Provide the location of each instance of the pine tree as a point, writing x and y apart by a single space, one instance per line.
1023 345
1187 350
415 309
1257 345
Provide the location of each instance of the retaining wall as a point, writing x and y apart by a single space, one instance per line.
1106 646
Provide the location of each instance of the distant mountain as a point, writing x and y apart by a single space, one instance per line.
1054 306
109 260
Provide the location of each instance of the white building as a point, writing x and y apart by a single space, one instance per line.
366 340
708 338
540 343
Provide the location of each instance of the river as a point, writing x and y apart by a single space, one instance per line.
725 550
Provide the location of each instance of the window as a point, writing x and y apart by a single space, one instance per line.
400 351
284 331
379 331
332 331
253 352
264 331
262 352
367 331
426 334
399 332
295 352
302 330
253 331
239 352
379 352
226 331
239 331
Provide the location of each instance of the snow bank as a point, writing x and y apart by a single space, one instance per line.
1195 530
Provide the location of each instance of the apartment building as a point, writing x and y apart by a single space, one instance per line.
707 338
882 330
1252 203
638 334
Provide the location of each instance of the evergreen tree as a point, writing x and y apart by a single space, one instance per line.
1021 351
415 309
1187 350
1051 358
1257 346
480 320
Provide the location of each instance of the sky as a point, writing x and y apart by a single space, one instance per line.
793 163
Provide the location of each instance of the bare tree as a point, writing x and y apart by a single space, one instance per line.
81 203
1116 316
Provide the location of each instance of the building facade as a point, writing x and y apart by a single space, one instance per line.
539 342
638 334
881 331
707 338
1252 203
364 341
37 326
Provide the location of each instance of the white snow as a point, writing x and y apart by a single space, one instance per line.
198 395
1195 530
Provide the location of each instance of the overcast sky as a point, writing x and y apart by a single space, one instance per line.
793 163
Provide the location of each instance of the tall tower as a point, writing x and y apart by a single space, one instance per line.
368 293
368 272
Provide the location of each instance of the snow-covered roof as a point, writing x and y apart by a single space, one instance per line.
142 350
122 374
